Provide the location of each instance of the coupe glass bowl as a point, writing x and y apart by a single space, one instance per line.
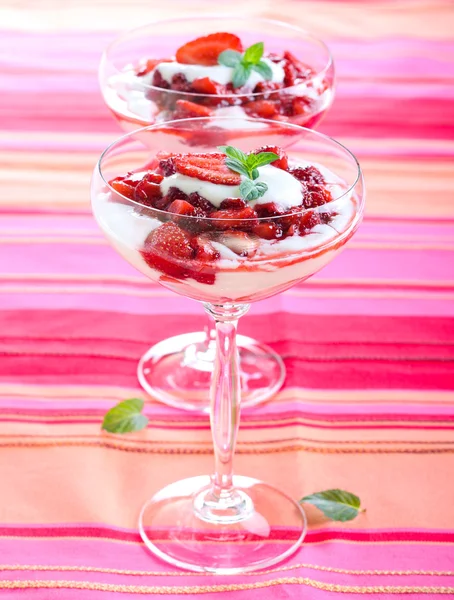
178 370
226 523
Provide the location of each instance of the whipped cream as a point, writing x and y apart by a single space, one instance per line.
218 73
283 188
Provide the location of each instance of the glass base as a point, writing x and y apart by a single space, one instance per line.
177 371
182 525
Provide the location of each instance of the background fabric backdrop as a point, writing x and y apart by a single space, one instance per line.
368 403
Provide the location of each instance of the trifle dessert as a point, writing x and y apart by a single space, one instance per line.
258 68
227 226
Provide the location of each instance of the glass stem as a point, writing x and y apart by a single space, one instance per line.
225 395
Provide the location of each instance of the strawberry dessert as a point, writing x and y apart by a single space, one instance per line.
216 75
228 226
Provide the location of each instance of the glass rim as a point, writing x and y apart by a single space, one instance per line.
318 74
132 136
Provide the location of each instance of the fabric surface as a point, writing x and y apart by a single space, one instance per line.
368 403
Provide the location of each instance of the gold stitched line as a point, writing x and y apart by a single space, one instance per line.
206 589
292 448
182 574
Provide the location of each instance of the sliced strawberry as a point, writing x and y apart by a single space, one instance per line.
245 218
206 167
239 242
266 109
282 162
148 190
185 110
168 249
205 85
268 231
205 50
181 207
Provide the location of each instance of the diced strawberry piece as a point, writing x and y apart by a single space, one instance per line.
168 249
317 196
186 110
122 188
292 230
291 217
268 231
205 85
268 209
282 162
205 50
302 70
245 218
148 66
148 190
309 220
301 105
265 109
267 86
181 207
200 202
327 217
233 203
239 242
206 167
290 74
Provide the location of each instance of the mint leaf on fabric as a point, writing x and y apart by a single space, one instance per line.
125 417
229 58
337 505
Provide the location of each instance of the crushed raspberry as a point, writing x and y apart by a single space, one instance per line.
200 202
175 193
310 175
268 209
180 83
309 220
159 81
317 196
167 166
233 203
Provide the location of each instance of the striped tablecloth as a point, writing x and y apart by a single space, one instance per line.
368 404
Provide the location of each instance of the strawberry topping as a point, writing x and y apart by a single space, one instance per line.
207 167
205 50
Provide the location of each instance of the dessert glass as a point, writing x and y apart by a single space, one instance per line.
226 524
177 370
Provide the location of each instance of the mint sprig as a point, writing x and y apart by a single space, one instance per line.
337 505
247 165
244 64
126 416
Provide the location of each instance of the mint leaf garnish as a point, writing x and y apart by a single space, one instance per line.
251 190
264 69
337 505
254 53
247 165
229 58
125 417
244 64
